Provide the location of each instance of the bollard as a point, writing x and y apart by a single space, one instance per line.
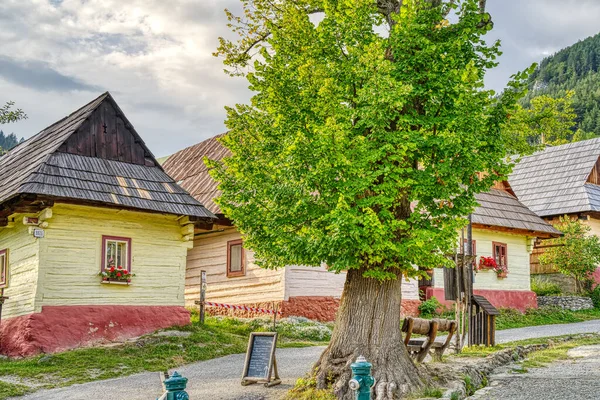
175 386
361 381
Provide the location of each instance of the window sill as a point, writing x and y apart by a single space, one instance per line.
115 283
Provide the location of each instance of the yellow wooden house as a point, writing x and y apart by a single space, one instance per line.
94 235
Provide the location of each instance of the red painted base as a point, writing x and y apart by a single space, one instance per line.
59 328
518 299
316 308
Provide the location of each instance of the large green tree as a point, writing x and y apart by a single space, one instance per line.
368 135
576 254
547 121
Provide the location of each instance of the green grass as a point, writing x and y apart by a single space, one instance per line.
542 316
217 337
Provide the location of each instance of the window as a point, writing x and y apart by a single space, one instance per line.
116 252
235 259
3 268
500 254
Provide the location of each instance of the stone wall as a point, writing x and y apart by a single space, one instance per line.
573 303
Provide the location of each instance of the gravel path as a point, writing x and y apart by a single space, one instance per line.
577 378
510 335
219 379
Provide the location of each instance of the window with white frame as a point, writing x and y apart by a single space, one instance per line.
116 252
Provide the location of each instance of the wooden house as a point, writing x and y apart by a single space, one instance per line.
86 196
505 230
557 181
232 276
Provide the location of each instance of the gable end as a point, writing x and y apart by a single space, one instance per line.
107 134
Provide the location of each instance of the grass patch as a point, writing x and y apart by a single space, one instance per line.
305 389
10 389
217 337
428 392
556 352
543 316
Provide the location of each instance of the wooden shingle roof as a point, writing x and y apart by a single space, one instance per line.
496 207
187 168
553 181
94 156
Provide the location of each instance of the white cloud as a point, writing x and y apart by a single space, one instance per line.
155 56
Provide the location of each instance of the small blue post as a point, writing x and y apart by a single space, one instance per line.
175 386
361 381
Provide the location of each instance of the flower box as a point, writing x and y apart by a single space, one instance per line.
108 282
118 275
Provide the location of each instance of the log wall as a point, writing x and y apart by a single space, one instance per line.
71 252
23 257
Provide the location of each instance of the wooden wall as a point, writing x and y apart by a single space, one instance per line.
518 262
210 254
23 258
106 134
317 281
70 258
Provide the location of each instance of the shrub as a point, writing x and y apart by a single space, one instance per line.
543 287
595 296
429 308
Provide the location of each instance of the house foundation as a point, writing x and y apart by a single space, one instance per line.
59 328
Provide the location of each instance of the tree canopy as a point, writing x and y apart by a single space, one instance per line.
576 254
357 116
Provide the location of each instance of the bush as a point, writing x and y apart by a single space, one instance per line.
595 296
543 287
429 308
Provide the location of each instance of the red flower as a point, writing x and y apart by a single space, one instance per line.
119 267
112 269
118 274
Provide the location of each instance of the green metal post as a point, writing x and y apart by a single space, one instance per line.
361 381
175 386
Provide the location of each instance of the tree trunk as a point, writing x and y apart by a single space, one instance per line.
368 324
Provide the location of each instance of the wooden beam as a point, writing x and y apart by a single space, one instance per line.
526 232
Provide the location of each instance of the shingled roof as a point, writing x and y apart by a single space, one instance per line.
189 171
94 156
497 207
554 181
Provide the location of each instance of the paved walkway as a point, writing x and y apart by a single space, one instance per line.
577 378
219 379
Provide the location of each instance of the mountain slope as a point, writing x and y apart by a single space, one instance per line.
575 68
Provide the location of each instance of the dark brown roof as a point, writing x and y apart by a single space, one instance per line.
187 168
487 307
500 208
46 165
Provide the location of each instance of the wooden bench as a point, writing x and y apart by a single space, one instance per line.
418 348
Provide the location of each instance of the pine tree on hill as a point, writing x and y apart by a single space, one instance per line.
575 68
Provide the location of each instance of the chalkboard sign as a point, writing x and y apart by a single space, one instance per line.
260 359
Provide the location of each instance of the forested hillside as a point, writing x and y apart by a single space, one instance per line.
574 68
7 142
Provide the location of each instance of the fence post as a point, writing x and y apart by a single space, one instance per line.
202 295
361 381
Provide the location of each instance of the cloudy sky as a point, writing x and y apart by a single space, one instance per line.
154 56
